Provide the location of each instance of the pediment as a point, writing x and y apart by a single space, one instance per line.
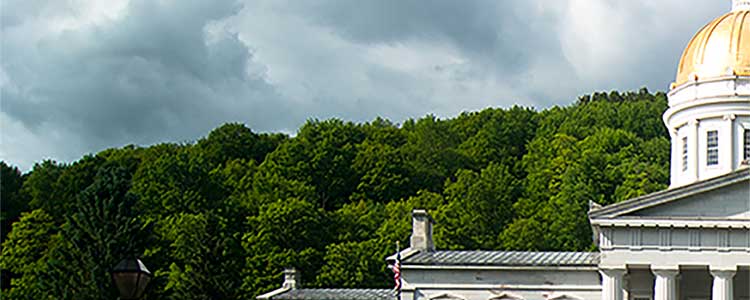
723 198
728 202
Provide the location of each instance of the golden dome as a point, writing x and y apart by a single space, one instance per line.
720 48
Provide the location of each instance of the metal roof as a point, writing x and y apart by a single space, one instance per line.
503 258
336 294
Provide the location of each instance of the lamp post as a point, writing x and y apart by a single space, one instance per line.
131 277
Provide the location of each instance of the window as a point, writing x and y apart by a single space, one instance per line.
747 144
684 154
712 148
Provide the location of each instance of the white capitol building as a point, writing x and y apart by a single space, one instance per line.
689 242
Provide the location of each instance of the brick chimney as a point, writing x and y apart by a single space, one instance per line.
291 279
421 231
291 282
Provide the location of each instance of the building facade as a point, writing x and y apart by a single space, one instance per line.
689 242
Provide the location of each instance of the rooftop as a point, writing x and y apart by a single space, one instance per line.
503 258
336 294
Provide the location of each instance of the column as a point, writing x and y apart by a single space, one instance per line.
723 289
612 283
665 287
728 147
693 154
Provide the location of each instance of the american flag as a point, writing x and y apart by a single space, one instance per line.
397 270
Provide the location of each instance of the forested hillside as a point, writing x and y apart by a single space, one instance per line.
221 217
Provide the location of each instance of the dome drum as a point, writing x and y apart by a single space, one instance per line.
715 110
718 104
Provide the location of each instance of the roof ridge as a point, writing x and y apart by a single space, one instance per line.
506 251
348 289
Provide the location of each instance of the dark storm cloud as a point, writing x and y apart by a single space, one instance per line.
153 75
505 39
14 12
495 33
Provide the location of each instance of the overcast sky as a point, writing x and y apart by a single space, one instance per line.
80 76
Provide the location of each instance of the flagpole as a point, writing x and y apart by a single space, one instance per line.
398 265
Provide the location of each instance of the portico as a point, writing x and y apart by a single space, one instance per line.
679 283
687 243
692 241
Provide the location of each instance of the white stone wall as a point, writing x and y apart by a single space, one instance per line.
510 283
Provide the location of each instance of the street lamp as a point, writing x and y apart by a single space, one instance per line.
131 277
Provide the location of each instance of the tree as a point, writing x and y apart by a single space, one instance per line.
431 152
101 230
496 135
204 254
321 156
25 254
175 182
384 174
75 178
478 207
355 264
41 187
565 177
236 141
285 233
251 187
12 200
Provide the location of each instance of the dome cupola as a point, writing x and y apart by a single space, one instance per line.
721 48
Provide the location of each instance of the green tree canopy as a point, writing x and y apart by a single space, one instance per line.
220 218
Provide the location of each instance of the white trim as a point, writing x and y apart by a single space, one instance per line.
405 253
680 248
274 293
506 295
511 268
724 223
517 287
